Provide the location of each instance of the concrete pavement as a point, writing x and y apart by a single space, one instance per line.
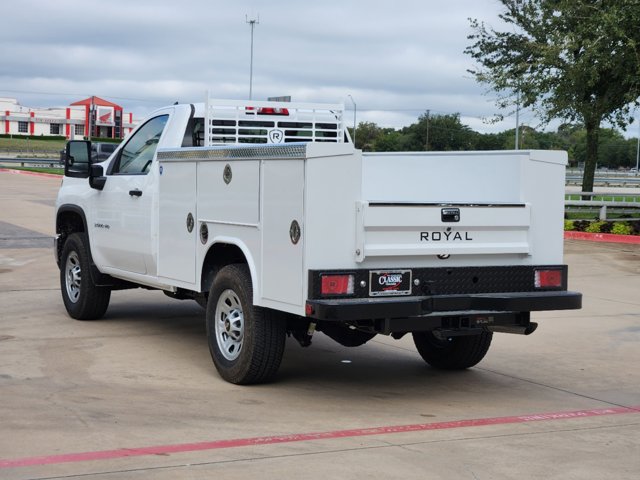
135 395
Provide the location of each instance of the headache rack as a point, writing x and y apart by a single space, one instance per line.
247 121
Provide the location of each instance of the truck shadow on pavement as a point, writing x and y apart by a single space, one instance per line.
377 371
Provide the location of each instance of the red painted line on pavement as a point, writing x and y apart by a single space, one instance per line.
602 237
33 174
303 437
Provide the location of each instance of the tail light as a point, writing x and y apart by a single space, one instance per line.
337 284
548 278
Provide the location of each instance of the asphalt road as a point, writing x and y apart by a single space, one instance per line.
135 395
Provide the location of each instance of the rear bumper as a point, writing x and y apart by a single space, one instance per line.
443 305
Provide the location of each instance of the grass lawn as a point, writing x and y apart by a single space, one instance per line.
24 145
56 171
593 215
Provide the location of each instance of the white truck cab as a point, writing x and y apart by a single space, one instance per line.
267 215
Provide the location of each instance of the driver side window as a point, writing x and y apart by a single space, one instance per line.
137 154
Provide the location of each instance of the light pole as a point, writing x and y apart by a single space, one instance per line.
253 22
355 109
426 144
638 150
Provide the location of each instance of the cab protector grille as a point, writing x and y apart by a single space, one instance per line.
255 122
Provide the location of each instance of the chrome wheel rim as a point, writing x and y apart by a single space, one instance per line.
73 277
229 323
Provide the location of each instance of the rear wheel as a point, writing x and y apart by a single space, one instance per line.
452 353
246 342
82 298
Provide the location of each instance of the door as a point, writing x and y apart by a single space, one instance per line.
123 212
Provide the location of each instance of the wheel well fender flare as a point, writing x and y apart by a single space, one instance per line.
216 258
73 209
69 219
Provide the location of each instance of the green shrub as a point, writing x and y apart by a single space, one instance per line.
594 227
581 225
622 229
606 227
569 226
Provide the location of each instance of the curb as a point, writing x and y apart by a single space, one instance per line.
33 174
603 237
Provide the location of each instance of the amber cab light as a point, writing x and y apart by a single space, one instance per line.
548 278
337 284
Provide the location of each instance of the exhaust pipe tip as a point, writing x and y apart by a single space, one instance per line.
515 329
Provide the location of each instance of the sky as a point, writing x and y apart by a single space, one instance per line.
395 59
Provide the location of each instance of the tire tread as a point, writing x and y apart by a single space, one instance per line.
94 300
463 352
260 360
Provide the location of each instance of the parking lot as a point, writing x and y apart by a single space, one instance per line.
135 395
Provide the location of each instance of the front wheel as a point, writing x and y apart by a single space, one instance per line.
246 342
452 353
82 298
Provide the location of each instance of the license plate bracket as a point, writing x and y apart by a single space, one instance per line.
387 283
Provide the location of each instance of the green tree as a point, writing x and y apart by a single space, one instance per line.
390 140
366 135
572 59
440 133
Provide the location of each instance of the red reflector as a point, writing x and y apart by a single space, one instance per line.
548 278
309 310
337 285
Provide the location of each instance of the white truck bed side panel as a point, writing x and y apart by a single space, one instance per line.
282 203
544 185
236 202
176 244
332 191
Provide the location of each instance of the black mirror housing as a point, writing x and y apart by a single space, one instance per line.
77 159
96 177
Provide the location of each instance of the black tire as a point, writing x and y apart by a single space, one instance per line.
246 342
82 298
454 353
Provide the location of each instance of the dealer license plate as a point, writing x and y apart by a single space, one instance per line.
389 282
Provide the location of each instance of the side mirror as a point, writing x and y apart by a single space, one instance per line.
77 159
96 177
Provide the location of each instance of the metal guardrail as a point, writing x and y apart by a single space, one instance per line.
28 151
34 162
607 181
624 204
610 179
617 197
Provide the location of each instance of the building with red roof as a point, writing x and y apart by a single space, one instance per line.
92 117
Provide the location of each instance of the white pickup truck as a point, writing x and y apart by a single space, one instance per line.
267 215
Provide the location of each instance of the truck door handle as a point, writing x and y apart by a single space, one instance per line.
135 193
